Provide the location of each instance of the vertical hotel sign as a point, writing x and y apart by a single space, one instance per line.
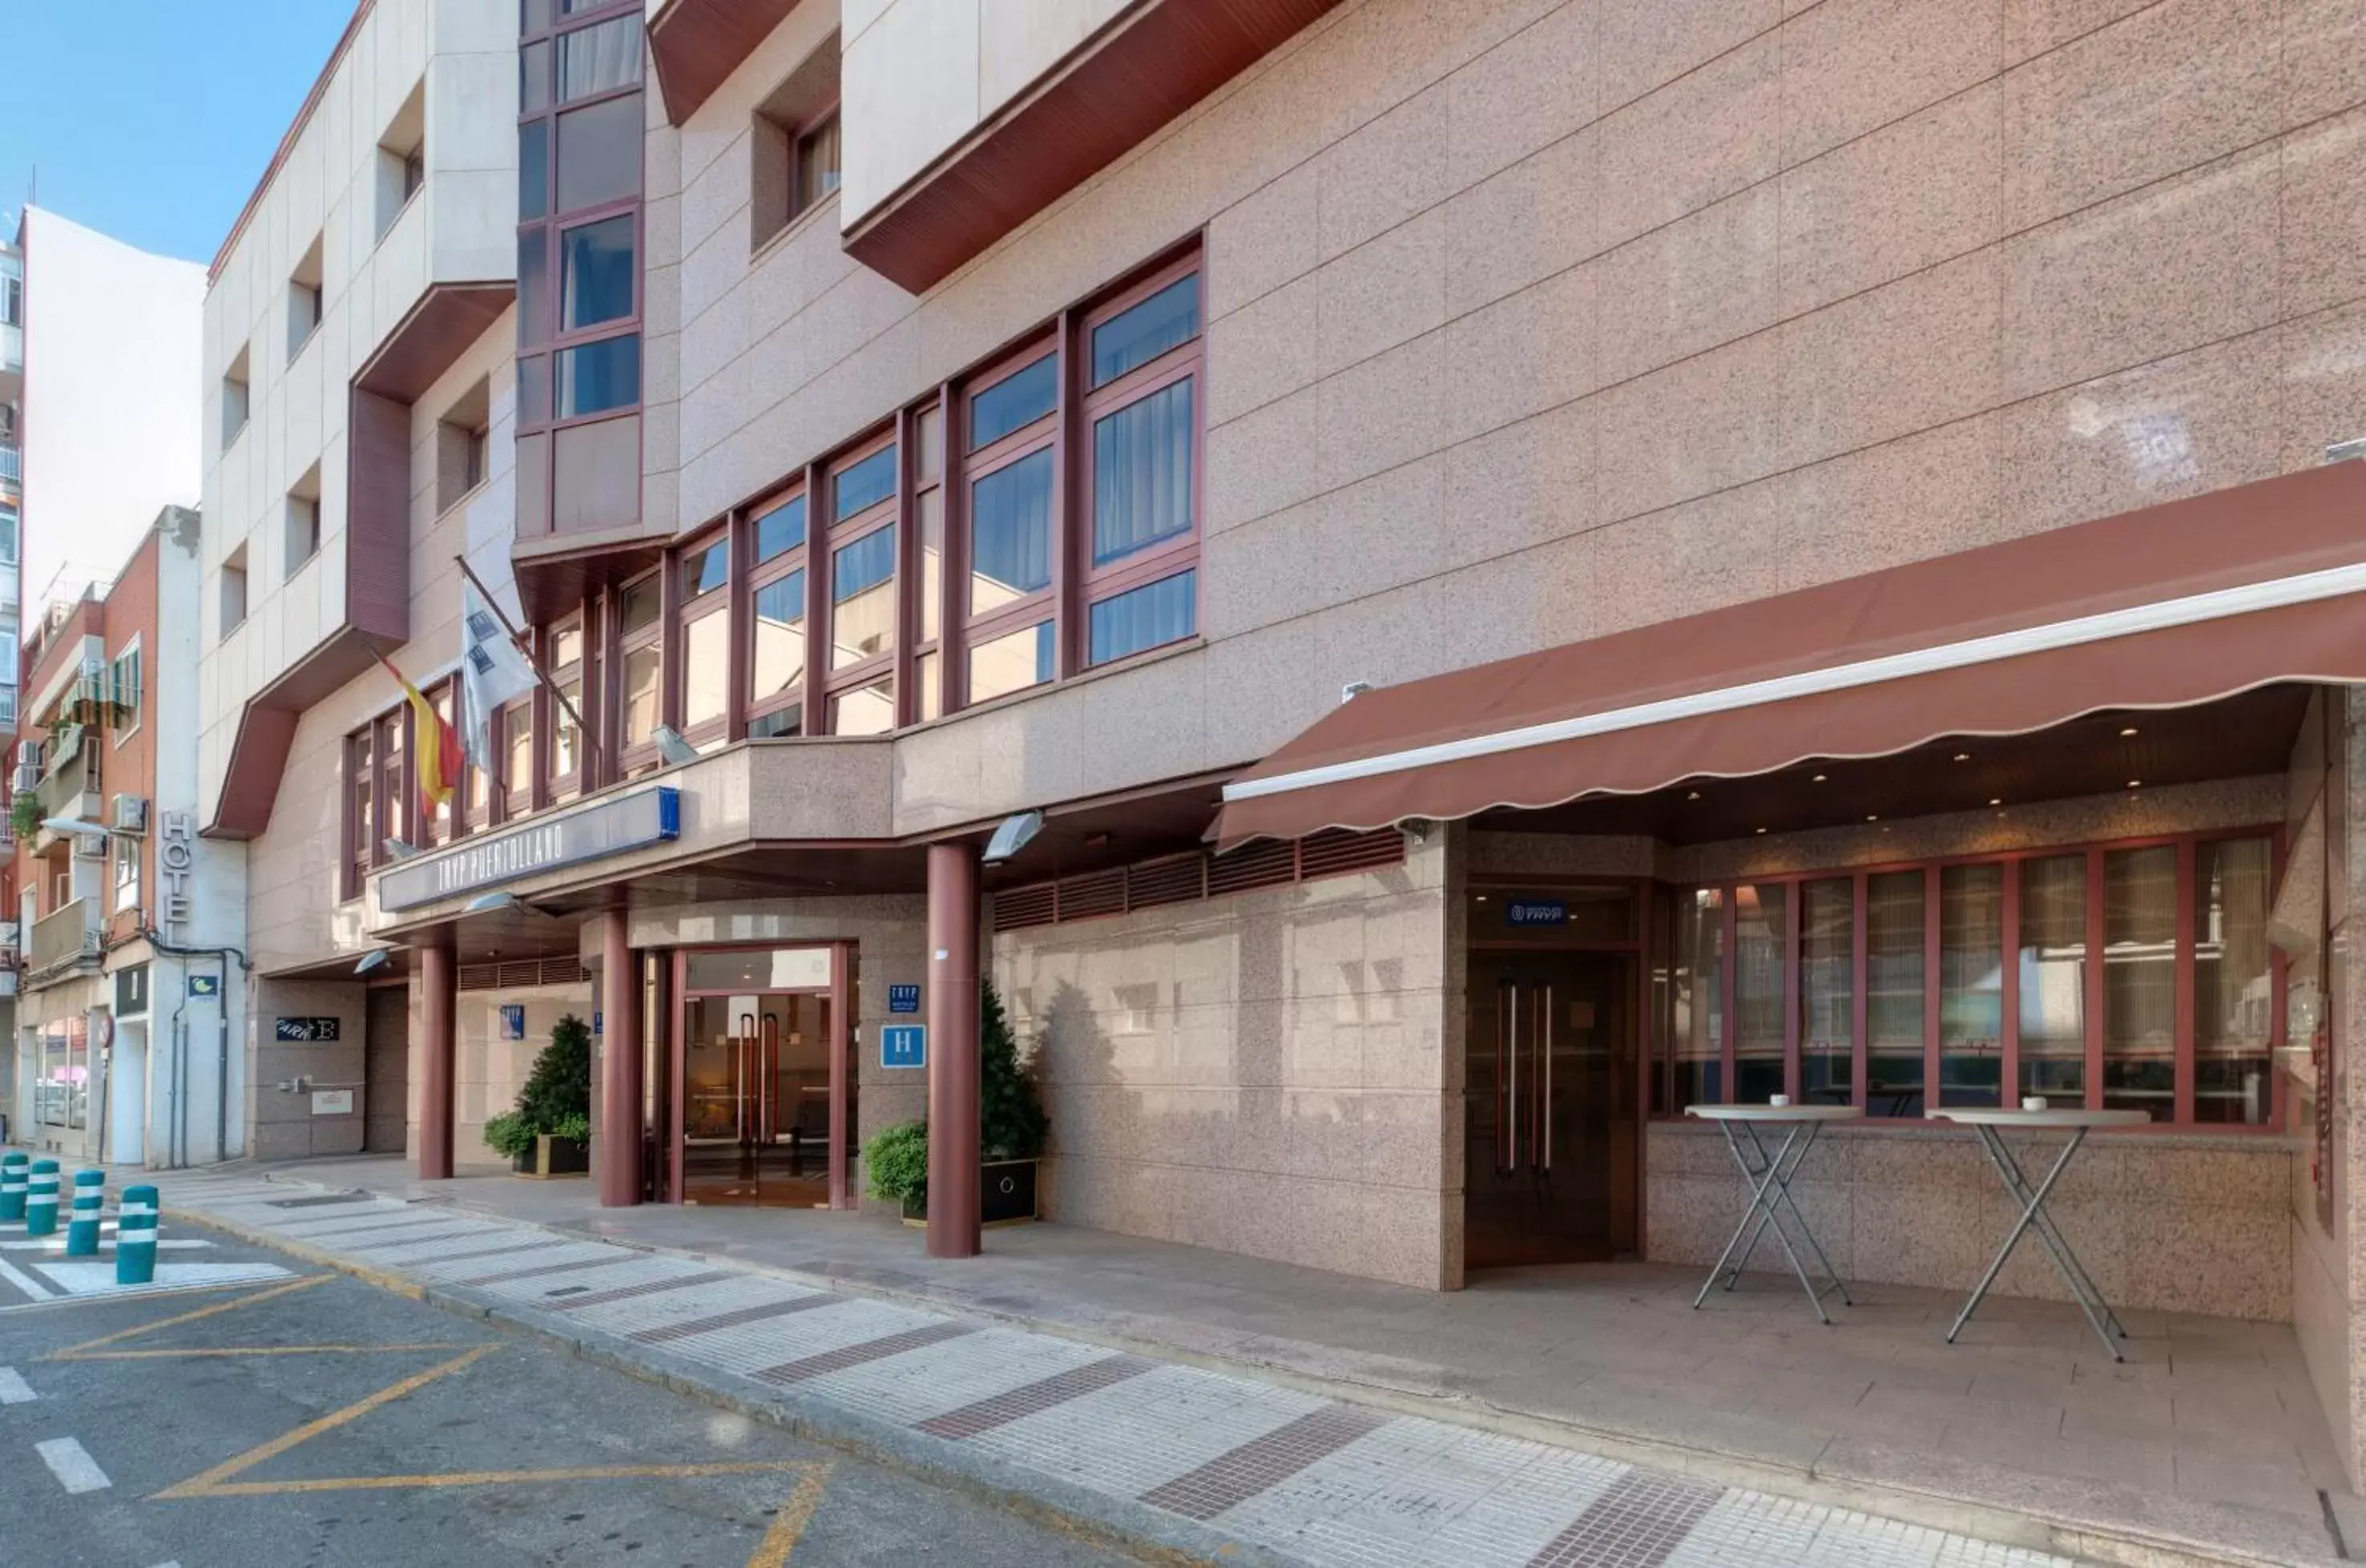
176 860
608 828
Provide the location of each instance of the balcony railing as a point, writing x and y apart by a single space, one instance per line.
71 787
69 935
12 464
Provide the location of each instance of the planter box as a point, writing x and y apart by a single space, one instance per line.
553 1156
1006 1195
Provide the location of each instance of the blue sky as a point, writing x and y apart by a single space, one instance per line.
151 120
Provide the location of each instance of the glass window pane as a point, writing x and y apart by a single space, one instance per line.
596 270
1010 533
929 671
1019 400
863 587
640 604
757 969
1699 1025
704 570
864 484
1827 991
2052 971
534 285
533 170
1011 663
565 645
706 669
1134 337
931 438
599 375
534 16
1893 1003
642 669
599 153
818 162
1761 953
779 653
533 78
867 710
517 745
1157 612
2233 982
1971 997
533 389
781 529
567 742
598 58
932 562
1142 473
2140 981
777 724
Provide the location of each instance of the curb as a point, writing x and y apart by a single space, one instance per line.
1179 1540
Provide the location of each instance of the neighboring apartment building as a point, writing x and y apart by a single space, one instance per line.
132 968
1674 556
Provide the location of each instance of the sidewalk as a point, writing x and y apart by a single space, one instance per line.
1400 1421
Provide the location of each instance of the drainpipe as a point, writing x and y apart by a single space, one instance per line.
222 955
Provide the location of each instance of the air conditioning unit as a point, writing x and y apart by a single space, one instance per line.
130 815
89 846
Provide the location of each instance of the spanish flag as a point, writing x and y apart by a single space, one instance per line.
439 757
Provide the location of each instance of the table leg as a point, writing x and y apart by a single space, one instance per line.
2033 1212
2065 1262
1772 1193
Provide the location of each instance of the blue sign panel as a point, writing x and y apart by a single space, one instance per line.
903 999
595 1022
207 986
512 1020
1535 913
904 1046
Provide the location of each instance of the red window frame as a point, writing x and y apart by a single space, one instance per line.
1042 434
692 610
2187 845
756 705
569 632
632 640
835 682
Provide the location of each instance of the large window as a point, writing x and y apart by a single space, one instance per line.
641 662
2125 976
777 652
862 600
704 590
1011 464
1141 407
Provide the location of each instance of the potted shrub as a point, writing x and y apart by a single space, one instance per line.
1011 1124
549 1130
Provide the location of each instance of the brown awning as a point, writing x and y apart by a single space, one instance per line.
2173 605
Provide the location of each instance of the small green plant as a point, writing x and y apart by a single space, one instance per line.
25 814
508 1135
896 1163
575 1129
557 1097
1012 1122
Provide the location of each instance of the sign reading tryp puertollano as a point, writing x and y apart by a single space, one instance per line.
608 828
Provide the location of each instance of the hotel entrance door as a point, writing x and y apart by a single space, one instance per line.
756 1099
1548 1110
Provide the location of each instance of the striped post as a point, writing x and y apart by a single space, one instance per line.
41 1200
135 1237
82 1224
13 1185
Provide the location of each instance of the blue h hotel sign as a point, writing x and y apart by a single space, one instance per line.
904 1046
610 828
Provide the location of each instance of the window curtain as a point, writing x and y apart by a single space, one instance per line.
1142 473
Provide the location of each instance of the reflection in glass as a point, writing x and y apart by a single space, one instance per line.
703 571
928 670
706 669
533 284
780 654
533 78
863 590
757 969
1019 400
1971 985
1761 953
1139 334
778 724
596 272
781 529
567 742
1893 1005
929 434
642 668
599 153
2052 973
1142 473
2233 982
867 710
1698 1028
517 746
1010 663
1010 533
599 376
932 562
598 58
2140 981
1143 617
565 645
1828 990
533 170
640 604
864 484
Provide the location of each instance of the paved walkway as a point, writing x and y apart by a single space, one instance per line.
1180 1456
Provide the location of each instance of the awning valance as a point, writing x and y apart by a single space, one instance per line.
2174 604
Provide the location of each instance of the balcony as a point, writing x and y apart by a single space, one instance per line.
66 937
12 465
71 789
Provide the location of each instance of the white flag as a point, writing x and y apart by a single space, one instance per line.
493 670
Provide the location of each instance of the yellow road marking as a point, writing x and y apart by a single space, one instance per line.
484 1478
260 1350
72 1352
790 1523
201 1484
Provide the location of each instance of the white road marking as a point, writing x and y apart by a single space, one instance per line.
59 1245
24 1281
81 1279
75 1470
14 1389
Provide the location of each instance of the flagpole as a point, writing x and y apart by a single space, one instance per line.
590 741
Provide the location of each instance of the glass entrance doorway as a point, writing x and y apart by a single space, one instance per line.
763 1077
1552 1136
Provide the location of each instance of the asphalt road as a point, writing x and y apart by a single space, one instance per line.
324 1421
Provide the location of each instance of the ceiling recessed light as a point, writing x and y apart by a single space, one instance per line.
1963 756
1818 779
1761 829
1694 795
2136 783
2129 730
1482 897
1996 802
1873 816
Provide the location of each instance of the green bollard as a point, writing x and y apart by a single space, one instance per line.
41 1200
135 1237
82 1224
12 1166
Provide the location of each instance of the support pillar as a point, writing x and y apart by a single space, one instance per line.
953 1155
439 998
616 1154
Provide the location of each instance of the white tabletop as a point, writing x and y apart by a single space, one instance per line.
1994 1116
1776 1113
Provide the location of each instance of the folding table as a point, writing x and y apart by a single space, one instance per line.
1990 1124
1770 1194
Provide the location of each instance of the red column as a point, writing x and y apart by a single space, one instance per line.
439 981
953 1158
618 1154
